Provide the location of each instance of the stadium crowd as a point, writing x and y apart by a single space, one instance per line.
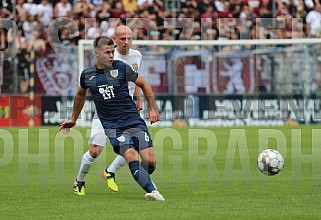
39 20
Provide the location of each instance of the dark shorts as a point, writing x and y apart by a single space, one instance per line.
136 138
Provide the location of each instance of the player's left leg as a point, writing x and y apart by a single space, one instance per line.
148 159
149 164
140 175
109 173
143 144
117 163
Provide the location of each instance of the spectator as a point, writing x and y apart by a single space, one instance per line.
28 26
30 7
219 4
37 43
248 15
226 13
21 11
94 31
7 9
104 13
189 6
254 5
84 8
108 29
209 12
130 5
313 22
3 39
45 12
300 11
63 9
202 6
117 10
144 2
97 3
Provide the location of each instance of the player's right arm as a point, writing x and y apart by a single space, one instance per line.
79 101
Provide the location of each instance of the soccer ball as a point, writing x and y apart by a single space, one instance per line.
270 162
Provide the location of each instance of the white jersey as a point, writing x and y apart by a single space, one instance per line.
133 59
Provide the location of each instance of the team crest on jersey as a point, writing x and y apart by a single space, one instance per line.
114 73
135 67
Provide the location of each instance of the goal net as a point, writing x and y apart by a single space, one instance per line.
250 67
230 82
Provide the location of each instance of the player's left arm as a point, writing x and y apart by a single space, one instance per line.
149 95
137 92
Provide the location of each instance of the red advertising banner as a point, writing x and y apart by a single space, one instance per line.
154 69
196 74
234 75
193 75
4 111
19 111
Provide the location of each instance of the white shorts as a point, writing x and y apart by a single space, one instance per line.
97 134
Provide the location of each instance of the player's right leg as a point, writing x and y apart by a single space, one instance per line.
96 143
87 162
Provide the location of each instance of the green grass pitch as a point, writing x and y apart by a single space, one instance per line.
203 173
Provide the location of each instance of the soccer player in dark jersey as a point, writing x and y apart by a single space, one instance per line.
126 130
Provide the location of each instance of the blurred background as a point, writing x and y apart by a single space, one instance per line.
42 53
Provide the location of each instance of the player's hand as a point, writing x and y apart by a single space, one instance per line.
153 116
66 125
139 105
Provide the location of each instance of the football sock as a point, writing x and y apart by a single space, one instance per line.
118 162
87 162
141 176
148 168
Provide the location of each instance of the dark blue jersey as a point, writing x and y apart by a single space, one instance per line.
109 89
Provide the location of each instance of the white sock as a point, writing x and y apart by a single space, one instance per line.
118 162
87 162
154 185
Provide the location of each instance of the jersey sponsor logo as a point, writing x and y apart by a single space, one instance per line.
107 91
135 67
114 73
